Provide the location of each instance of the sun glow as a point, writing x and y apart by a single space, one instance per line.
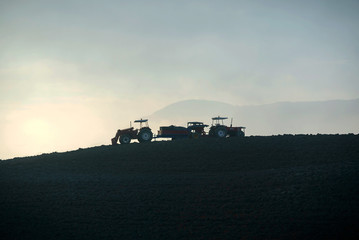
29 135
38 129
46 128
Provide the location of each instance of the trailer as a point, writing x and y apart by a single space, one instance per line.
173 132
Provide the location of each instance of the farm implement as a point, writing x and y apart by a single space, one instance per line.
193 130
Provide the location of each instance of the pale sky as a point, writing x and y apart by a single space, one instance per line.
72 72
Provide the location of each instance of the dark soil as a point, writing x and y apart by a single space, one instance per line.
280 187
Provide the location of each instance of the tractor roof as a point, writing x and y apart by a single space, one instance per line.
219 118
196 124
141 120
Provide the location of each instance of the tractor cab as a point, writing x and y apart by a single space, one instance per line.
218 121
143 123
218 129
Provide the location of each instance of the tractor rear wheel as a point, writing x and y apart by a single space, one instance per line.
220 132
145 135
125 139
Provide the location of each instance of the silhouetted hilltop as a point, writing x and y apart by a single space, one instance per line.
337 116
277 187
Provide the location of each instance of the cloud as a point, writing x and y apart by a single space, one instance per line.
128 49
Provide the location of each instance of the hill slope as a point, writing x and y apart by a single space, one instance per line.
283 187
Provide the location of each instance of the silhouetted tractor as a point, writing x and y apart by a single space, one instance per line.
219 130
144 134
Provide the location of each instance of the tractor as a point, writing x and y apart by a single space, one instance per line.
218 129
143 134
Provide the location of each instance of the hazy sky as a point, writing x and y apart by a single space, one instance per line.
72 72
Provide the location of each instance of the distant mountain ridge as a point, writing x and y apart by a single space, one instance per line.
333 116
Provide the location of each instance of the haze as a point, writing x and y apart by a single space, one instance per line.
73 72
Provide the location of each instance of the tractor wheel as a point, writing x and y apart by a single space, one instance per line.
125 139
145 135
220 132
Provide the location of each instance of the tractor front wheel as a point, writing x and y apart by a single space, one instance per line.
145 135
125 139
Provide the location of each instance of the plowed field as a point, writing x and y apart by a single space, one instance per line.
278 187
